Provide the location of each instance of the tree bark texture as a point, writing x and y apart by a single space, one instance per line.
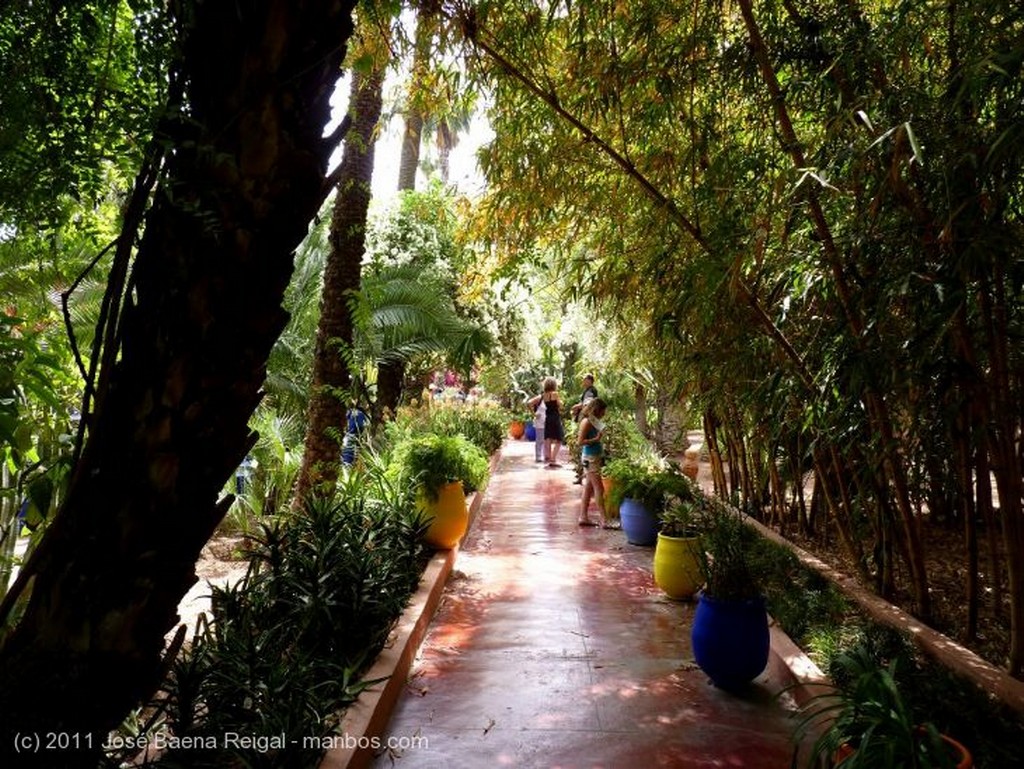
331 378
409 160
245 177
412 141
391 374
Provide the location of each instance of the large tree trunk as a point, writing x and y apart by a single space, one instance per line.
409 161
245 177
391 374
331 376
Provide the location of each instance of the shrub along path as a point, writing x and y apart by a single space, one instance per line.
554 648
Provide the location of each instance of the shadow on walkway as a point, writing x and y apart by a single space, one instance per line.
554 648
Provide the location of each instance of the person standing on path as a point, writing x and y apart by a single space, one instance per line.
540 412
588 394
590 434
553 432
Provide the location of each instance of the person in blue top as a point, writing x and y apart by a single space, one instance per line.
588 394
356 422
590 433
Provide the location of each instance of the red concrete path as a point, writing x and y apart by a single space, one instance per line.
553 648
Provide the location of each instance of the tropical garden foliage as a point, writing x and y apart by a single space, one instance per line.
797 223
815 210
231 167
286 649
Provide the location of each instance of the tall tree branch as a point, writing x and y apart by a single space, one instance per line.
661 200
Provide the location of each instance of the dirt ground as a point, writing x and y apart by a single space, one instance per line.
946 563
221 562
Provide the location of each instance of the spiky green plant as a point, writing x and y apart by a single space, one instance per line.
288 644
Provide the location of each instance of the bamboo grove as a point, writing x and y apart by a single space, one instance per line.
813 211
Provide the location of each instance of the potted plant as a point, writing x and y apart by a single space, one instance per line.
625 449
730 627
611 469
444 467
869 725
642 495
677 555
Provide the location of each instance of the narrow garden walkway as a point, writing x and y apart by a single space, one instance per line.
554 648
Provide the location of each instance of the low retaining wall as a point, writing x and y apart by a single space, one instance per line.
959 659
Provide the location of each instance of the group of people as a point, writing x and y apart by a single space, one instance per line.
588 413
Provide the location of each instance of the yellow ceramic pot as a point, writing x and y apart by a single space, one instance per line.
448 516
677 566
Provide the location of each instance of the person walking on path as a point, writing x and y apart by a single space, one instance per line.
554 434
590 433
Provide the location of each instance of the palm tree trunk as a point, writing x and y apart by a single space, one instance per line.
246 176
413 139
390 377
640 409
391 374
409 160
326 418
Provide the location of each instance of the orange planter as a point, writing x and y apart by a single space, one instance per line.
607 484
691 462
957 752
516 429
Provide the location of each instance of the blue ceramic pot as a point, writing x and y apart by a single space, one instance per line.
531 432
639 524
730 640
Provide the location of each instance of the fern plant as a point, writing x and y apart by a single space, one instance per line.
434 461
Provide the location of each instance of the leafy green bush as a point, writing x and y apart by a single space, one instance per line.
433 461
275 462
868 713
654 489
289 642
484 425
930 691
727 565
623 440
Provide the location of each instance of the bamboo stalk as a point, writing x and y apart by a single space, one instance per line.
878 409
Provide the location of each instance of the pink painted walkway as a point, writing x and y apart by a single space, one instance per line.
553 648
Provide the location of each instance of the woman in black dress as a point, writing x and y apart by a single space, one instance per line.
553 432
